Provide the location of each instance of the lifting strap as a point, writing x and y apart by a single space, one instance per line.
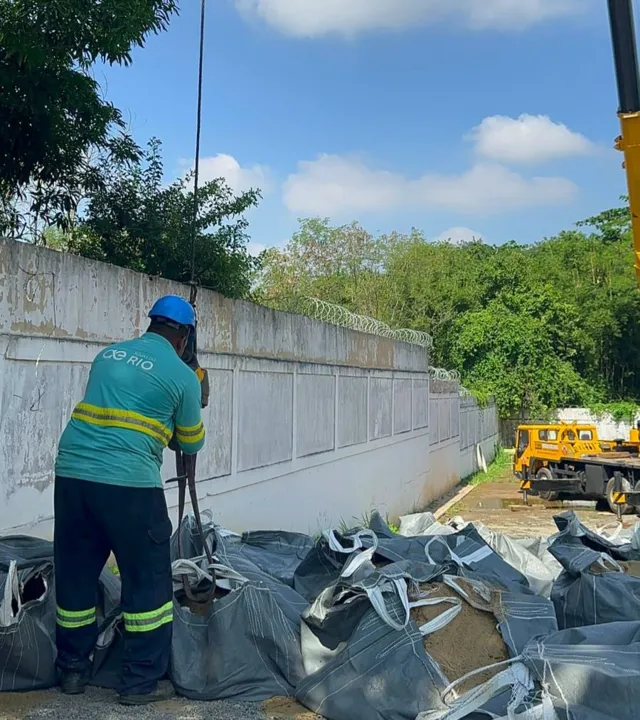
186 476
186 469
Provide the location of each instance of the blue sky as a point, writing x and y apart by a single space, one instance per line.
496 116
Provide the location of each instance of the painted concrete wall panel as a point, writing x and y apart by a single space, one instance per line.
218 420
52 294
444 419
402 406
316 413
352 411
454 403
464 429
434 419
36 404
469 460
420 403
265 419
445 469
380 403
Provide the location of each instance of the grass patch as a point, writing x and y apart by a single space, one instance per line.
364 521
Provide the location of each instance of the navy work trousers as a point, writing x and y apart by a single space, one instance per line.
91 521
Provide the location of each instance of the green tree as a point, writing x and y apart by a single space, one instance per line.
136 221
52 115
428 285
340 264
611 225
511 356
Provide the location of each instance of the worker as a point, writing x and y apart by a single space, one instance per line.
109 498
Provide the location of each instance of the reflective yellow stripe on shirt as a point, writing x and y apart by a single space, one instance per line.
191 434
112 417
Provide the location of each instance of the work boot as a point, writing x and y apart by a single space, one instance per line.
73 683
160 694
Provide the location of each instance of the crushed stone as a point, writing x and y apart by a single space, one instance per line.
98 704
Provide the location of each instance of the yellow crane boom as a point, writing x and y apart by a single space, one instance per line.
625 55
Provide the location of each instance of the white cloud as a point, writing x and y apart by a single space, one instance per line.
225 166
459 235
528 139
337 185
312 18
255 248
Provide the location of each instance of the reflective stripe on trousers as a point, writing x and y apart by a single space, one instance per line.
148 621
113 417
73 619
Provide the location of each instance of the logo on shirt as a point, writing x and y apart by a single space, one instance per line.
123 356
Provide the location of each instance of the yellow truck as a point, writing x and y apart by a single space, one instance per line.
568 458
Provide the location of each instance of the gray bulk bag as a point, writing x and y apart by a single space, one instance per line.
366 656
245 645
590 673
27 614
598 583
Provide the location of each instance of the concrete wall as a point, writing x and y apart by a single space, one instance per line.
608 428
308 423
478 428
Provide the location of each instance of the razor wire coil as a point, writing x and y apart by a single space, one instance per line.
338 315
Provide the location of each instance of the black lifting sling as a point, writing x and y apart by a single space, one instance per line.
186 475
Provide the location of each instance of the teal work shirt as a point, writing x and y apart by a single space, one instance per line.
138 393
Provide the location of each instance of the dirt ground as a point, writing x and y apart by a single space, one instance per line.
499 506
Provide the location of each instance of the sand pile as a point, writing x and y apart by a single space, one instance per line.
470 641
630 567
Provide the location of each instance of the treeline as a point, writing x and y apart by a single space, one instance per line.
537 326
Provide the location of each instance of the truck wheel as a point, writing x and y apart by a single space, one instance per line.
625 509
546 474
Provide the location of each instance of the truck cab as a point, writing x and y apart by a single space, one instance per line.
562 458
541 444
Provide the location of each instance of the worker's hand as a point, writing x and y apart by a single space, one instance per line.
203 376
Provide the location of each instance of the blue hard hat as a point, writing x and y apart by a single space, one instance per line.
175 309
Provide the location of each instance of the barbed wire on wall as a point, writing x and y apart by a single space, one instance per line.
442 374
338 315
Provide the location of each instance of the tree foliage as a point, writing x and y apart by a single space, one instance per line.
341 263
137 222
538 326
53 117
